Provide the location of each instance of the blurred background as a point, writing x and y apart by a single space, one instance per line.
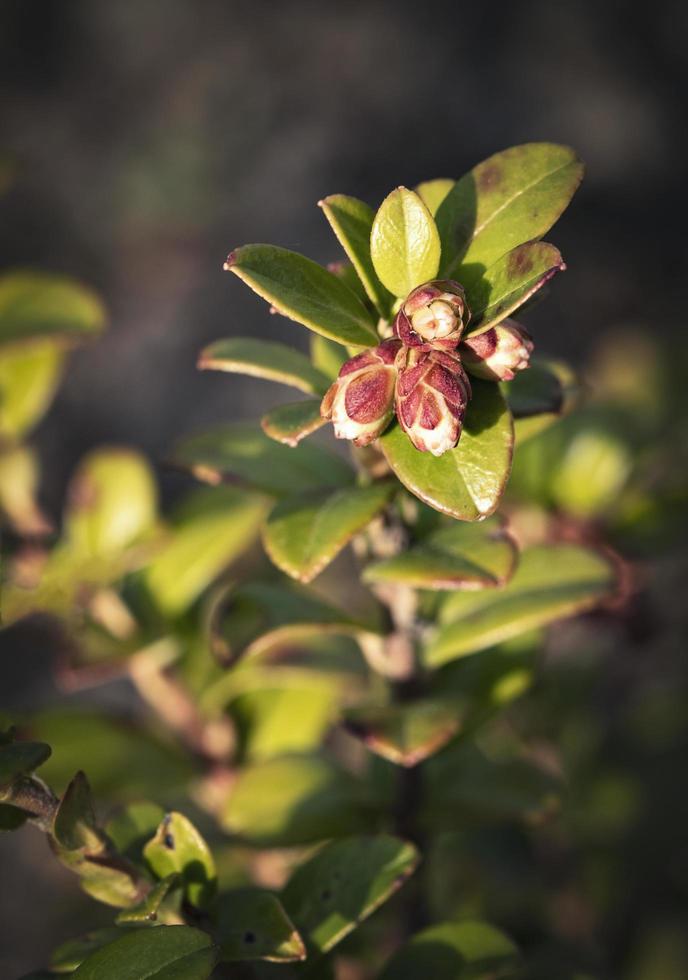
150 139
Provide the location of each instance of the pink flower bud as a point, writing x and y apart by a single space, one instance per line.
360 403
431 398
498 353
433 315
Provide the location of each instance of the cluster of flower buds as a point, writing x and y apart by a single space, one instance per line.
420 373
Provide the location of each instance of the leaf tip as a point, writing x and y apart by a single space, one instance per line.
230 261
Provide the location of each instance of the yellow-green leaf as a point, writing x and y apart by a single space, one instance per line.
37 304
404 243
264 359
433 192
178 847
29 375
291 423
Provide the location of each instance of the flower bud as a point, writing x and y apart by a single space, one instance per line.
360 403
498 353
433 315
431 398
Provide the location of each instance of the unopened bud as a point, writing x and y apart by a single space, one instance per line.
360 403
498 353
431 398
434 315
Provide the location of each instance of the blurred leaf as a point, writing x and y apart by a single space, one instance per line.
512 197
278 720
293 799
148 911
404 244
592 473
37 304
465 950
509 282
112 503
433 192
466 482
29 375
211 530
242 452
550 582
327 356
18 491
178 847
252 925
293 422
21 759
464 556
344 883
165 953
352 222
74 824
304 534
405 734
70 954
264 359
133 826
303 291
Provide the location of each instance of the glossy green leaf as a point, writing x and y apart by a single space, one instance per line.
149 910
29 375
466 950
304 534
73 952
464 556
467 482
165 953
179 848
507 284
211 530
37 304
343 884
292 799
112 502
550 582
264 359
303 291
291 423
404 244
243 452
21 759
405 734
433 192
513 197
327 356
276 720
352 222
252 925
74 824
131 827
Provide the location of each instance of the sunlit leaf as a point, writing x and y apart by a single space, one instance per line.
252 925
433 192
37 304
404 244
29 375
178 847
405 734
264 359
293 422
148 911
275 720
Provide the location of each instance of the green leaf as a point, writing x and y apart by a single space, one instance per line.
591 474
244 453
264 359
327 356
133 826
405 734
21 759
148 911
74 824
433 192
343 884
550 582
19 479
165 953
36 305
29 376
291 423
112 503
467 950
539 396
467 482
304 534
303 291
212 530
513 197
179 848
352 222
464 556
276 720
252 925
73 952
507 284
293 799
404 244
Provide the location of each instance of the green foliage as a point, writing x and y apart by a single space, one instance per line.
404 243
166 953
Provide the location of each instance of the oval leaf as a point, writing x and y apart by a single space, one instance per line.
303 291
165 953
179 848
352 222
304 534
29 375
291 423
550 582
433 192
37 304
512 197
252 925
264 359
454 951
467 482
404 244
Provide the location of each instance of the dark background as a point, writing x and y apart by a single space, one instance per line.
153 137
